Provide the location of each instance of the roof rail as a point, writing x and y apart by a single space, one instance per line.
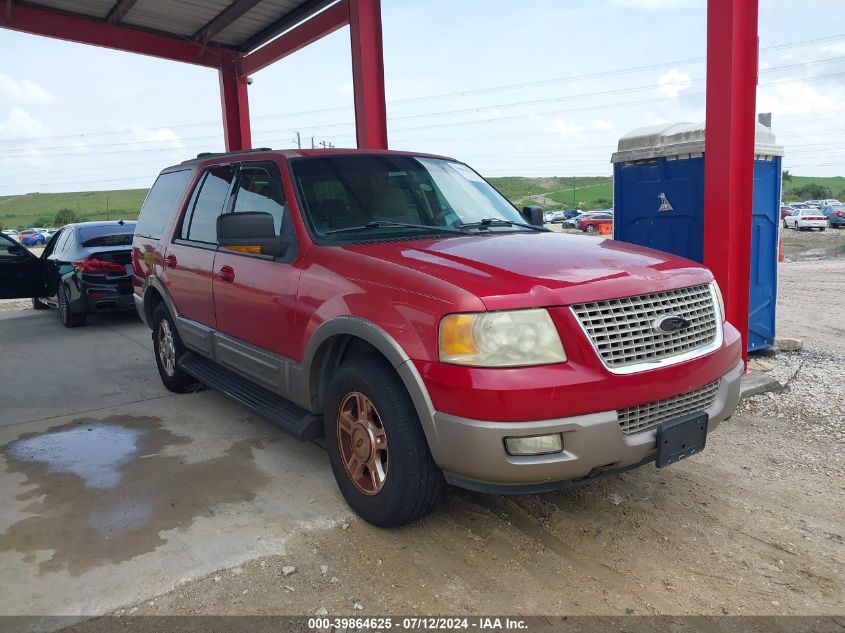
204 155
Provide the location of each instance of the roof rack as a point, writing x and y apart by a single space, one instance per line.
204 155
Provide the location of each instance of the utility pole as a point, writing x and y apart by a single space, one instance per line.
108 214
312 143
298 140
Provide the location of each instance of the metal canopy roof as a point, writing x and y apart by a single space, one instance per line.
242 25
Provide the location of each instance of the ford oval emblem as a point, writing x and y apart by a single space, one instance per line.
669 323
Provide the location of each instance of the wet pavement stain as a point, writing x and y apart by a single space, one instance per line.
817 254
101 491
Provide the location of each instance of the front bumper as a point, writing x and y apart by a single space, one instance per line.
472 455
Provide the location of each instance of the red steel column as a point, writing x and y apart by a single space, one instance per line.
235 103
368 73
732 47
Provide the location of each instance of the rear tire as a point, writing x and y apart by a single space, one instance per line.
68 318
37 304
168 349
370 419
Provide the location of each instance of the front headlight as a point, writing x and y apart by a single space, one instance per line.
719 299
500 339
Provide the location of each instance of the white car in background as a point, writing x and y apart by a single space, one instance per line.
13 233
805 219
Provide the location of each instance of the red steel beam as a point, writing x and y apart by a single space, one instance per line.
98 33
368 73
234 101
732 48
328 21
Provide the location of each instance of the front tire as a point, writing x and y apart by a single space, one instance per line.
376 445
590 228
168 349
68 318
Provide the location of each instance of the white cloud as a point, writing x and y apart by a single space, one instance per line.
836 49
602 124
796 97
20 124
345 88
672 83
565 129
655 5
158 137
23 91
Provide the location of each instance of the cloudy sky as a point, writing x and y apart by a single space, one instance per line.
536 87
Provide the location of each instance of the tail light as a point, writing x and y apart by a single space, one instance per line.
100 267
840 214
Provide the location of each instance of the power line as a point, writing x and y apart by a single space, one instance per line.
477 91
128 144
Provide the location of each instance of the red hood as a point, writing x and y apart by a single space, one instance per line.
520 270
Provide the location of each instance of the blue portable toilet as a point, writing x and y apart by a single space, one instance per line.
658 201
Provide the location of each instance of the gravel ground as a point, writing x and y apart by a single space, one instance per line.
753 525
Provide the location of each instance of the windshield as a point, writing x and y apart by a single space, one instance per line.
338 192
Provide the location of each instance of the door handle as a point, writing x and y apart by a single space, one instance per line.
226 274
170 261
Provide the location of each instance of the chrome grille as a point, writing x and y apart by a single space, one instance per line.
646 416
622 330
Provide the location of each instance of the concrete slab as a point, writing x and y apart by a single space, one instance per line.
114 490
756 382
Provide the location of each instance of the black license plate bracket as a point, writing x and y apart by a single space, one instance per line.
679 438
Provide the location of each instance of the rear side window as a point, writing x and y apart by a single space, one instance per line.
6 245
61 241
161 203
200 223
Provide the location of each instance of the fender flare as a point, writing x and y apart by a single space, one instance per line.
154 283
390 349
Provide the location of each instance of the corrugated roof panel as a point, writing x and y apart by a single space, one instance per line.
184 18
256 20
93 8
181 17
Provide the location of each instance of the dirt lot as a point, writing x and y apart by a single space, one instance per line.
754 525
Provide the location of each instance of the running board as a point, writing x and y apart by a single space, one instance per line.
280 412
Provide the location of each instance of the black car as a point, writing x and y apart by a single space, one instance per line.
835 214
84 268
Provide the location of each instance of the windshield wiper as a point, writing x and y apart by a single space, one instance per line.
384 223
498 222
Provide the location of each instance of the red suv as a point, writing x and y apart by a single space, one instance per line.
398 307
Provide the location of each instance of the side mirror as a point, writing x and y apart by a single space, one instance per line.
533 215
249 232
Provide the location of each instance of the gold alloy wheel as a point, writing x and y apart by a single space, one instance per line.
166 348
362 442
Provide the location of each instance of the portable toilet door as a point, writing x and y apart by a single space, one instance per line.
765 233
658 198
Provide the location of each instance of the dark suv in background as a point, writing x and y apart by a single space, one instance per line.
84 268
